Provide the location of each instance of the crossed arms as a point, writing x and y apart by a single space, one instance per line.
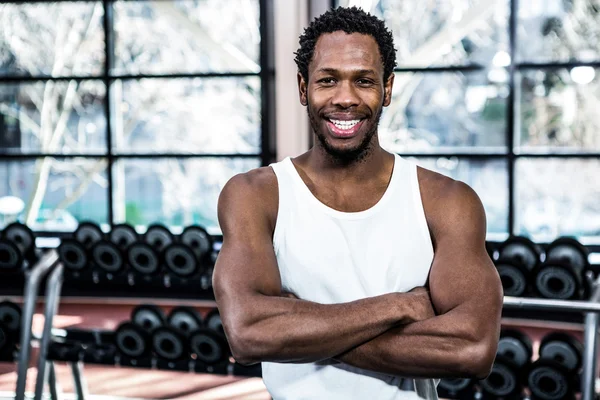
450 329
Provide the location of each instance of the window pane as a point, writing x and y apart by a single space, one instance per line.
557 197
57 193
58 39
218 115
559 110
187 36
445 112
175 192
489 178
54 117
442 32
558 30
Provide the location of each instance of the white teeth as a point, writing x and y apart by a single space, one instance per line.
345 124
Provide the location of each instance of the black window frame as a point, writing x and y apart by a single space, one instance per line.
512 122
266 75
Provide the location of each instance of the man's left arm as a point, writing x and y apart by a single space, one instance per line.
466 293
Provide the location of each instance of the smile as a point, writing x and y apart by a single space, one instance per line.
342 128
345 125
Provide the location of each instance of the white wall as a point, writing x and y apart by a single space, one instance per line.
293 130
292 123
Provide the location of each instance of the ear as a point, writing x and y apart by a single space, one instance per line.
387 96
302 89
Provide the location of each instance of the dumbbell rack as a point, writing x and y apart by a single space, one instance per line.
591 309
48 265
45 364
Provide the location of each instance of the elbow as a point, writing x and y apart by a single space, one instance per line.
240 350
477 361
246 347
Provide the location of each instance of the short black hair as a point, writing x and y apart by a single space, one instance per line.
349 20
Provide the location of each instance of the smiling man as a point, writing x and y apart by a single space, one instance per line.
348 271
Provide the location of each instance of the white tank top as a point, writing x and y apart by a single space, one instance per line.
329 256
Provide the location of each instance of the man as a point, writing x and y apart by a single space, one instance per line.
348 271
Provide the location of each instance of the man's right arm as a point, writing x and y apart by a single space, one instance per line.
262 324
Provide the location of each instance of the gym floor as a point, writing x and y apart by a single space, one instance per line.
134 383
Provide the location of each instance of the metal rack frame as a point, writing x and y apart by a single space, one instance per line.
47 264
591 308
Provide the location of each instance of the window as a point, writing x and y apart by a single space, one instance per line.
503 96
138 112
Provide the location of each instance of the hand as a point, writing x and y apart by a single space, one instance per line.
420 305
289 294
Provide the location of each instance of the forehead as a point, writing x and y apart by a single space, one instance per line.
340 50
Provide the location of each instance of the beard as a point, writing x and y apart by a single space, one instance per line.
350 155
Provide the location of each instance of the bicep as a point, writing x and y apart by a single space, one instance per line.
462 274
246 265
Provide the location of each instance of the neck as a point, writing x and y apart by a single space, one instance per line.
363 168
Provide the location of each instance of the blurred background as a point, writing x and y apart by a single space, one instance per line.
139 112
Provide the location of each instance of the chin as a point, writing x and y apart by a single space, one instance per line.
348 153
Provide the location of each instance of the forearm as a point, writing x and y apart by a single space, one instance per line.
290 330
443 346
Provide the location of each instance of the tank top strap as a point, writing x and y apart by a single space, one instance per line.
285 190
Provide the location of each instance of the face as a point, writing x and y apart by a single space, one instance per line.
345 94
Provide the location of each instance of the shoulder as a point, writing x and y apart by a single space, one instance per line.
259 181
449 204
255 191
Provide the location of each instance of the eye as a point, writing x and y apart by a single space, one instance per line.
364 82
326 81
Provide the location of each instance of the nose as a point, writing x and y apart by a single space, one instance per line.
345 95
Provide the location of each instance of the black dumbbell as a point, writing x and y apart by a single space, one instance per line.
147 316
100 353
549 380
65 351
504 381
185 319
515 346
73 255
22 237
555 374
133 341
562 274
562 348
170 344
88 233
158 236
181 260
143 259
209 347
197 239
213 321
11 259
456 388
107 256
10 317
512 358
8 344
123 235
17 245
518 256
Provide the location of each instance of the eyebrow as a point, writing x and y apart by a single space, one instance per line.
357 71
